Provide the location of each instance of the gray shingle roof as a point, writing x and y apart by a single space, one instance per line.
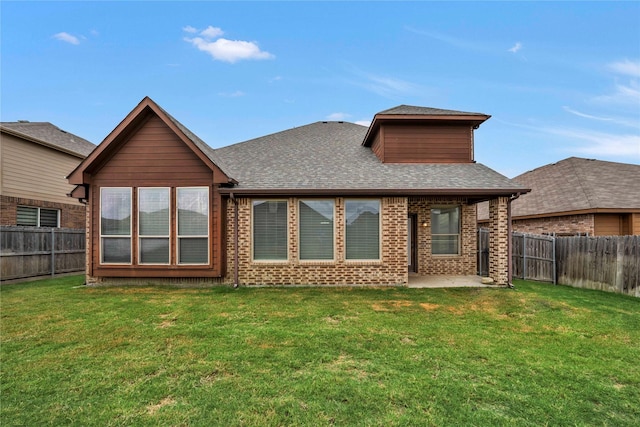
329 156
576 184
51 135
412 110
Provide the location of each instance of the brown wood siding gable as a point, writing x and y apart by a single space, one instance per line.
435 143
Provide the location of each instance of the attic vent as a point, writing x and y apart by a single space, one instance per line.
23 121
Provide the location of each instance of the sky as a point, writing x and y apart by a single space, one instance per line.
559 79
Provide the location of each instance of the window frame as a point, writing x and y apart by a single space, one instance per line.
254 202
459 234
333 231
379 201
114 236
38 216
189 236
140 237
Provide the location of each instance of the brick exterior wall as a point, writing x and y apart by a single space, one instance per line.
71 216
498 241
463 264
390 270
568 224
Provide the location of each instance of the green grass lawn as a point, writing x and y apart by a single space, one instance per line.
537 355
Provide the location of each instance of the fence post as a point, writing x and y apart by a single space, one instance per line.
524 256
555 261
53 252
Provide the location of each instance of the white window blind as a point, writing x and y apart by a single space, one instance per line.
316 229
269 230
193 225
115 225
445 231
153 225
362 229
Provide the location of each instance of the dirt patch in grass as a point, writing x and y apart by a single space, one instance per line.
391 305
152 409
429 307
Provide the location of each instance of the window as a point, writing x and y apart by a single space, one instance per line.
316 229
115 225
269 230
362 229
153 225
37 217
193 225
445 231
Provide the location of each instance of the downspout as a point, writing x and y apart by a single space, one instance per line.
510 242
235 240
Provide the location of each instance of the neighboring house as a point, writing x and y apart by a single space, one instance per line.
34 161
326 204
577 196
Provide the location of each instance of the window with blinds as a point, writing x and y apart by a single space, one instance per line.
315 229
154 225
269 230
445 231
362 229
29 216
193 225
115 225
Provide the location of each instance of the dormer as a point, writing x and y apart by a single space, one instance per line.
408 134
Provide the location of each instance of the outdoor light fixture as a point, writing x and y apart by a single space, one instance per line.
424 224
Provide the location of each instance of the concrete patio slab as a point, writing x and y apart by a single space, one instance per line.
446 281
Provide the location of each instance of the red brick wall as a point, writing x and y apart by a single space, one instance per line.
568 224
498 241
390 270
71 216
463 264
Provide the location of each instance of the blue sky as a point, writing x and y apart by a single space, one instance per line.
558 79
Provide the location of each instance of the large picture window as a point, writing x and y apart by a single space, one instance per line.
362 229
269 230
154 225
445 231
316 229
115 225
193 225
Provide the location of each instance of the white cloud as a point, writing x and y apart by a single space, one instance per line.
626 67
616 120
66 37
189 29
338 116
623 94
516 47
223 49
586 116
600 143
211 32
366 123
387 86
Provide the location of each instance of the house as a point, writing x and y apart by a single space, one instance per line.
577 196
35 158
329 203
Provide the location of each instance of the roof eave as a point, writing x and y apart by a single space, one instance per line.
476 193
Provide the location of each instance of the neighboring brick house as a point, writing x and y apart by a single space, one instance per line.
577 196
35 158
329 203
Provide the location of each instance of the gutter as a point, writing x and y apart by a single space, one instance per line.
235 240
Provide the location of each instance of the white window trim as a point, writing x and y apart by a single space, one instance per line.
121 236
178 237
333 237
268 261
459 234
369 260
168 236
38 209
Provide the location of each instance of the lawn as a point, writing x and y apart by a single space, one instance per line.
536 355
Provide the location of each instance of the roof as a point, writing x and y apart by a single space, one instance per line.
47 134
413 114
426 111
577 184
328 157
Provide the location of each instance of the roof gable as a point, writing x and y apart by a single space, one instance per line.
129 125
49 135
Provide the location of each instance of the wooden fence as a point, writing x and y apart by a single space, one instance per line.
607 263
40 251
